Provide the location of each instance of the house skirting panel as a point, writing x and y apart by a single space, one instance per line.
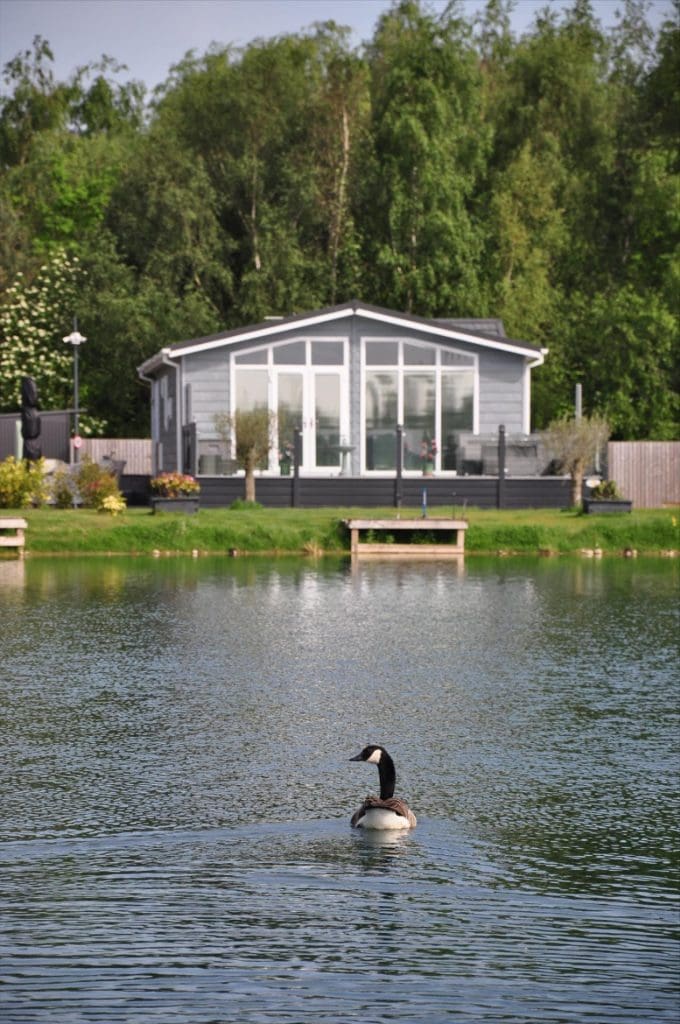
345 492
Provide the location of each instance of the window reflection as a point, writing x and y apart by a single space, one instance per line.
419 416
251 389
434 405
382 408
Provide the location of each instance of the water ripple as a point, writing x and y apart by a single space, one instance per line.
176 793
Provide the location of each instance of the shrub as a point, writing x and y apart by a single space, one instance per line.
63 489
95 484
114 504
21 483
241 505
606 490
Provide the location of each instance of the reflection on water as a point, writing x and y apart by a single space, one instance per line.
176 791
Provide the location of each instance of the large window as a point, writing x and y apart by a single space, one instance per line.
428 389
304 383
381 412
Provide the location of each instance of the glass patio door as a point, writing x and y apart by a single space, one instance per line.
312 399
289 411
326 422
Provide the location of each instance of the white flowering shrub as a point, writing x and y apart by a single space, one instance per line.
33 321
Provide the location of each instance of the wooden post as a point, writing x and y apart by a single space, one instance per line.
500 490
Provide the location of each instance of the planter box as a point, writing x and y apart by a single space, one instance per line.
187 506
606 506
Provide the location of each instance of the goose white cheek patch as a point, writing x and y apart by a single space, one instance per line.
375 757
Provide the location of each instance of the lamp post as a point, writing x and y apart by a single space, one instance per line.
76 339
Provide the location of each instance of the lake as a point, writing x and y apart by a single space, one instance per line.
176 791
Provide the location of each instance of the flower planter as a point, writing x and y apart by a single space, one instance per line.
186 505
428 468
606 506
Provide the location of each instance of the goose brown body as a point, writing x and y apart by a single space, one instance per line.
386 811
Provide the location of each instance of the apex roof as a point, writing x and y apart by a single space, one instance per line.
487 333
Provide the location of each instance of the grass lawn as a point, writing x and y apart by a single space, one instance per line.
317 531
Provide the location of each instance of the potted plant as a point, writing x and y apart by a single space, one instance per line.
605 498
175 492
428 453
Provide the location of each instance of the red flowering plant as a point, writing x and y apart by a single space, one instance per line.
175 485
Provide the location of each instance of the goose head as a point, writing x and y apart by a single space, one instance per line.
370 753
374 754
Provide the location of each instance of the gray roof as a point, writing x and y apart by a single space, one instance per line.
487 330
485 326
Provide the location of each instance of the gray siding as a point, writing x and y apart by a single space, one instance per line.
168 414
205 381
501 392
207 374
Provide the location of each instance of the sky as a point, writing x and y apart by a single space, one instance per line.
149 36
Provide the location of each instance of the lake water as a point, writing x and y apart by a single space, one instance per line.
176 791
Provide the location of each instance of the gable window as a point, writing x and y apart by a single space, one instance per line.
430 390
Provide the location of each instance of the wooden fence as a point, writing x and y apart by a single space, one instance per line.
134 452
646 472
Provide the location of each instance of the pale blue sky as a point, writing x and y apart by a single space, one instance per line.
151 35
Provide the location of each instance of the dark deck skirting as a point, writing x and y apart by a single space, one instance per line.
362 492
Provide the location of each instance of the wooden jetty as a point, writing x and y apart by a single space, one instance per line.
407 538
12 534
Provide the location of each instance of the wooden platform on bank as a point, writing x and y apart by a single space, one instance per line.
407 537
12 534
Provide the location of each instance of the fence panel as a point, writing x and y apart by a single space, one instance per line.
134 452
54 434
646 472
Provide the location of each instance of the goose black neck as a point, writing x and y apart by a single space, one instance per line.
388 776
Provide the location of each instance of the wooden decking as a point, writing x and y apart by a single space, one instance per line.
12 534
407 538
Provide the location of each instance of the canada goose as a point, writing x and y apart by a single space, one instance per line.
385 811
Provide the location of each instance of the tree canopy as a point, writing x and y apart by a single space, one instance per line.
446 168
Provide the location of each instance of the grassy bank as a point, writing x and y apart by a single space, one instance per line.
314 531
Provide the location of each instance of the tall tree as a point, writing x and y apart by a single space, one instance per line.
34 102
429 146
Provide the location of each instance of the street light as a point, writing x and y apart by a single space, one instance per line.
76 339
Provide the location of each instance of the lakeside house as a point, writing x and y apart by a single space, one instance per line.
345 377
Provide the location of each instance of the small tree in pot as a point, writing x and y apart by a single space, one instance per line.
574 444
249 433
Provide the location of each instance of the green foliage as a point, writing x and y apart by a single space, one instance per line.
241 505
62 489
251 434
34 318
34 102
95 484
297 531
448 168
429 145
574 443
112 505
21 483
606 490
632 374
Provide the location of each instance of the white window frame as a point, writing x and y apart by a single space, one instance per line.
438 367
307 370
